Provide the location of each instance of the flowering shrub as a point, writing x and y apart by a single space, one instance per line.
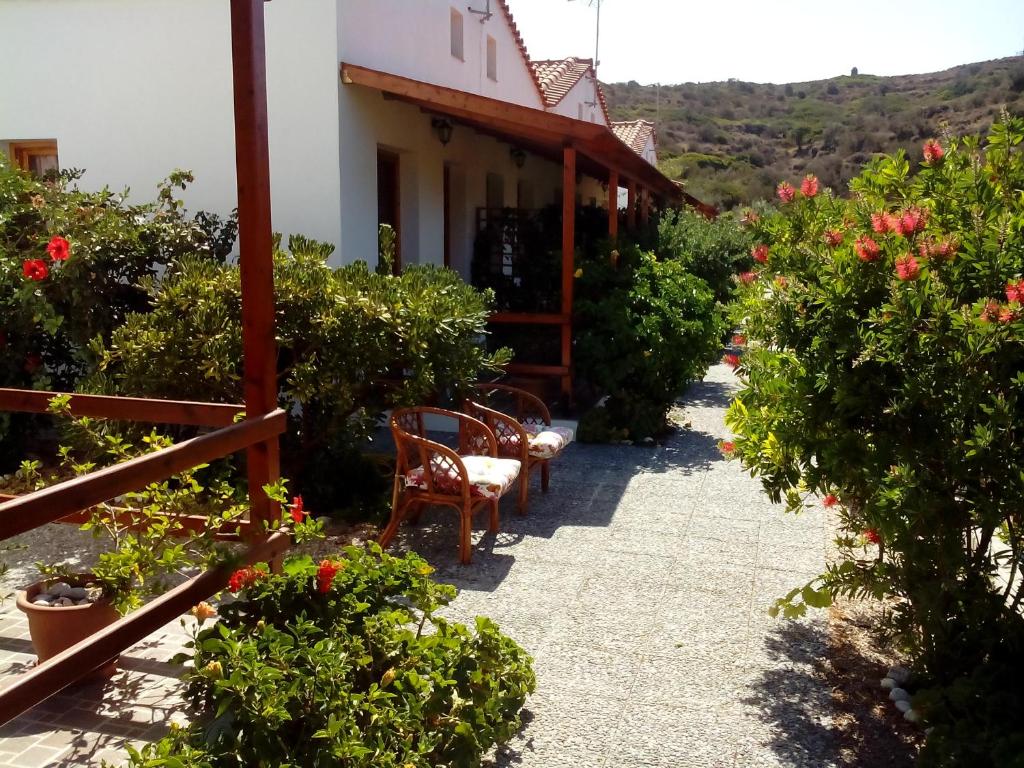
340 332
884 372
644 329
330 664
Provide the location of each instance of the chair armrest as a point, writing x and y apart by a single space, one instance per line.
530 409
504 428
417 451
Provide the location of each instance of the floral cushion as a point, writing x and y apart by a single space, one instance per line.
488 478
547 442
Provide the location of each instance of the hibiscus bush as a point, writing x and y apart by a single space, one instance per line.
345 662
351 343
885 371
644 328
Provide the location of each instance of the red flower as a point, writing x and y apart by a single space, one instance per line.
727 447
35 269
750 217
297 512
245 577
873 536
910 221
1015 291
809 186
883 222
831 500
932 151
833 238
942 250
739 340
732 360
1007 315
760 253
325 576
990 312
58 248
747 277
867 249
907 268
782 281
785 192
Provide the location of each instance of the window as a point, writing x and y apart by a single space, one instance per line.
457 35
36 157
492 58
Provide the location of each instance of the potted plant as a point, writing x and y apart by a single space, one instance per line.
147 544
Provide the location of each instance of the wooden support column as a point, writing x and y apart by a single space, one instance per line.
568 262
252 164
613 204
631 205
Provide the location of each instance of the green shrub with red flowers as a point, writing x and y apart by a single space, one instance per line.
345 662
884 370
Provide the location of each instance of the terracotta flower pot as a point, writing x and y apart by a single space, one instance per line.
56 628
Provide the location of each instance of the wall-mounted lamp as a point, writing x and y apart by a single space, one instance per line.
443 126
518 156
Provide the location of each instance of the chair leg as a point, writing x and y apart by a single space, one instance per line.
495 522
545 475
466 536
524 491
398 508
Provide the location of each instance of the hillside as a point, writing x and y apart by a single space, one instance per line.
732 142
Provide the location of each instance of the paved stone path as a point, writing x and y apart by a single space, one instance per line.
640 584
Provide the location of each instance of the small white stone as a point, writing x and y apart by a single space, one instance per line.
903 706
41 600
899 674
898 694
93 593
65 601
648 441
59 589
888 682
912 715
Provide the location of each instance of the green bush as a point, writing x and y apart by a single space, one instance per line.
644 329
340 334
885 370
333 664
714 250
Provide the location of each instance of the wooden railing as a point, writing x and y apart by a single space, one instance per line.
257 435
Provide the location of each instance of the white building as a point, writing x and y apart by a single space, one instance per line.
419 113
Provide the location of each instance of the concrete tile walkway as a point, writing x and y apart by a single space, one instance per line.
640 584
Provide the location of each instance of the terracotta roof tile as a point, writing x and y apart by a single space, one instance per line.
503 4
635 133
558 76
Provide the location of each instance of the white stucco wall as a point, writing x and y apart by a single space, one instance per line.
133 90
412 38
584 94
368 122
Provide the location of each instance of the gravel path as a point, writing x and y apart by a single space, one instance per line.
640 584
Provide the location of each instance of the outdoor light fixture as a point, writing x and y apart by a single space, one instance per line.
444 129
518 157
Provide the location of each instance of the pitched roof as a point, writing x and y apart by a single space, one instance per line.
558 76
507 12
635 133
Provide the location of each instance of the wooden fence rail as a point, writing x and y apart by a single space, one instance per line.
51 504
62 670
181 412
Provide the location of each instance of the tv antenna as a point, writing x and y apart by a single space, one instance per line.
484 15
597 33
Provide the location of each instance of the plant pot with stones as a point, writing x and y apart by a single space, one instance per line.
63 612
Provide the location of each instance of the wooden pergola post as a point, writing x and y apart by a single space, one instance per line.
568 262
630 205
255 237
613 204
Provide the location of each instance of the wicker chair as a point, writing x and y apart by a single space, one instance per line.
427 472
524 434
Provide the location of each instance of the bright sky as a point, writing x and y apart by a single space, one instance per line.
672 41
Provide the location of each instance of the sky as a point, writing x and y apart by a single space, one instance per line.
771 41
